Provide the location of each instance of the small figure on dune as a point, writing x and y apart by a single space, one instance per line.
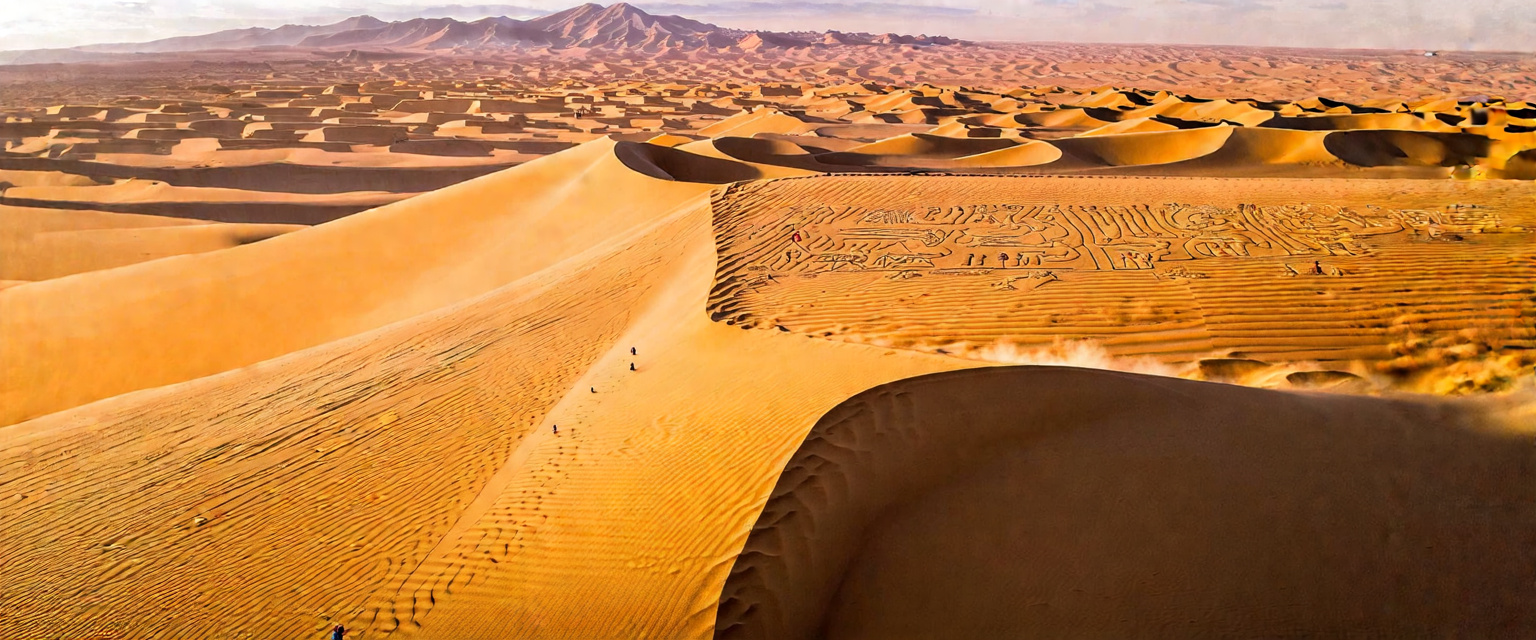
594 389
338 632
556 428
632 351
1317 267
1002 258
797 236
631 366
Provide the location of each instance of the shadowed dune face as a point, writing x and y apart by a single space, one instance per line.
666 163
1412 148
1160 147
1048 502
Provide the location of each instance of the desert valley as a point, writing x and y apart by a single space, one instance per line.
605 324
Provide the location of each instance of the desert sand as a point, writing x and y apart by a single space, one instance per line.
671 346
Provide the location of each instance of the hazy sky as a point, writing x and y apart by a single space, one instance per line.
1404 24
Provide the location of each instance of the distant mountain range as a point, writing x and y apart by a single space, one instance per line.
618 26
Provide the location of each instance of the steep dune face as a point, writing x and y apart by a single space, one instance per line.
1152 148
176 319
320 485
1031 501
1407 148
1521 166
697 162
770 156
923 145
1398 121
1252 146
1145 125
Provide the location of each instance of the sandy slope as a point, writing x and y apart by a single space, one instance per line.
318 487
172 320
1023 502
39 244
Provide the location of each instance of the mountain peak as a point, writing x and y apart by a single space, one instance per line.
364 21
588 26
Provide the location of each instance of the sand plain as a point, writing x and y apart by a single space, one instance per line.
732 354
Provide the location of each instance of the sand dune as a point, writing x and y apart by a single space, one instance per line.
1029 154
1377 148
1162 147
10 178
758 121
1400 121
1250 148
1144 125
770 157
209 203
111 332
40 244
1030 501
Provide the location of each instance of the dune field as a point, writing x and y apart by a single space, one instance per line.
660 346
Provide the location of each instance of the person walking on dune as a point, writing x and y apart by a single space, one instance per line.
1317 267
338 632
